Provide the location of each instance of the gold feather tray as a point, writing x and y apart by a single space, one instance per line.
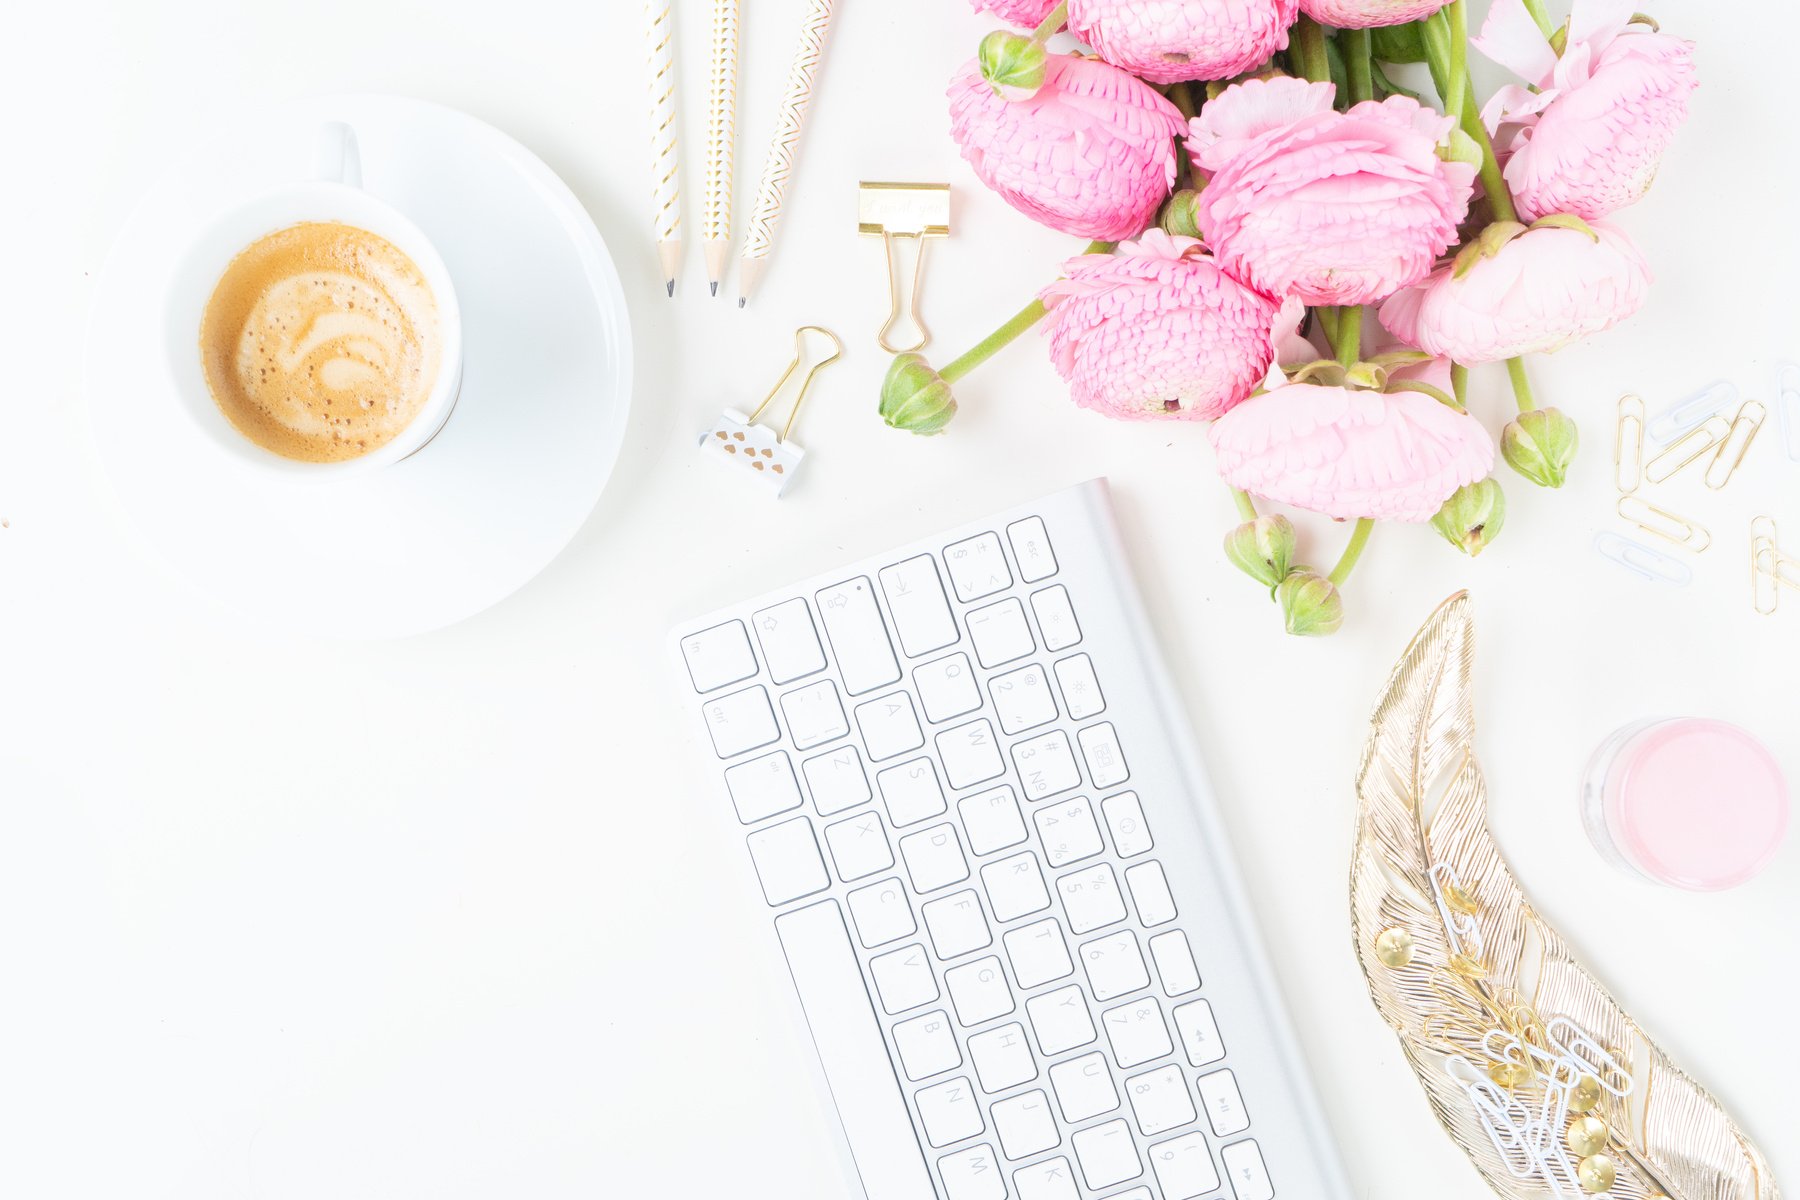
1531 1067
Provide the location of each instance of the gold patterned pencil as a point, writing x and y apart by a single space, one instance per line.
665 156
721 125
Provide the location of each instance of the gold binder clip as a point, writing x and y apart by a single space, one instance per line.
1664 524
899 212
1705 436
1765 582
1628 445
1744 428
738 439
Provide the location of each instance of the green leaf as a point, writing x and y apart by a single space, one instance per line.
1399 43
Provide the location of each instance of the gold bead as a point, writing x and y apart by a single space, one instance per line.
1394 947
1510 1074
1586 1095
1596 1173
1460 900
1467 966
1587 1135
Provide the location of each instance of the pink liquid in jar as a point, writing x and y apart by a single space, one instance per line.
1688 802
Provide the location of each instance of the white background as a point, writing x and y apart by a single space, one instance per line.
446 917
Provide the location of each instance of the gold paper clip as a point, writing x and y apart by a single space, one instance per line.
1743 431
1765 583
903 212
738 439
1664 524
1628 445
1705 436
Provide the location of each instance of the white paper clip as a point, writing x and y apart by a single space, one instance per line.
738 440
1683 415
1646 562
1787 404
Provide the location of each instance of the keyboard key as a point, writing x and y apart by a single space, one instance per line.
978 991
970 755
1224 1106
1084 1087
916 600
814 714
889 726
1107 1154
1159 1100
1015 886
790 643
903 978
977 567
1175 963
1136 1193
859 847
1105 761
949 1112
1052 1179
1150 893
947 687
927 1045
1091 898
1249 1176
956 925
837 780
881 912
934 858
1002 1058
1125 819
1114 965
1046 765
1022 699
763 787
1137 1033
1025 1124
1038 953
1184 1167
972 1174
911 792
741 721
1000 633
850 1047
1056 618
1198 1032
991 820
859 639
788 861
1069 832
1080 687
1031 549
1060 1020
718 656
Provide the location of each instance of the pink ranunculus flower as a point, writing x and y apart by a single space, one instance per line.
1092 153
1588 141
1336 208
1364 14
1158 330
1542 290
1026 14
1348 453
1167 41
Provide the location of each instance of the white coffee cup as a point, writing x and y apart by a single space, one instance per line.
334 194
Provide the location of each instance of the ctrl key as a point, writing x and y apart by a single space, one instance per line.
741 721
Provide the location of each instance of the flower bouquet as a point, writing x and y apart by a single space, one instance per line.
1292 246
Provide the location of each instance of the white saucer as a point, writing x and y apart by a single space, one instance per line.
478 512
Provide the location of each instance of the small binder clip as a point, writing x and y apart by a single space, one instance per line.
1787 406
1683 415
1743 430
739 440
1628 445
1707 435
1664 524
1646 562
903 212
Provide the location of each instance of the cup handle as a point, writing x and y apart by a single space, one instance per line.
335 156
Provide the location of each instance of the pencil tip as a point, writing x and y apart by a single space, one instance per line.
742 300
671 289
714 287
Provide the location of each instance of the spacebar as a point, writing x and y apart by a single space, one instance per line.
851 1050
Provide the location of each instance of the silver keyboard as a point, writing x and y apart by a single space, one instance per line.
997 878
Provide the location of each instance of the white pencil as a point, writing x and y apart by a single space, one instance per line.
760 235
721 123
665 158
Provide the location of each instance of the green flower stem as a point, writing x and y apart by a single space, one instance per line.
1459 385
1359 537
1326 316
1460 94
1348 342
1245 505
1059 16
1004 336
1309 42
1515 368
1182 97
1444 59
1354 44
1538 14
1492 181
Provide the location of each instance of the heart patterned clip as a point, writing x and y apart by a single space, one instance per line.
737 439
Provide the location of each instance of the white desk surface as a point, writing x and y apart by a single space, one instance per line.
438 918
